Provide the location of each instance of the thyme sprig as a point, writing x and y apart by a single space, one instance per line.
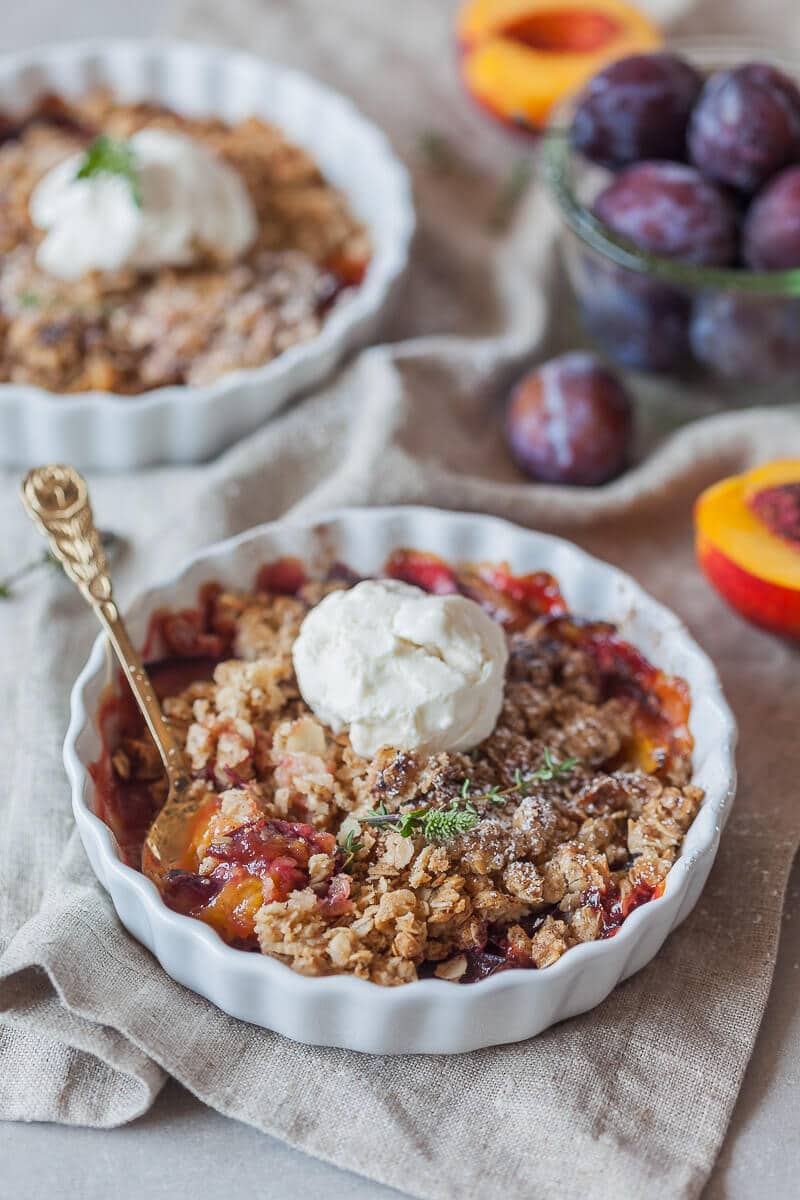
435 824
352 845
551 769
443 157
441 824
509 194
110 542
45 559
540 132
110 156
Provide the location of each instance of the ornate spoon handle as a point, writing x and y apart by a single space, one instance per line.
57 499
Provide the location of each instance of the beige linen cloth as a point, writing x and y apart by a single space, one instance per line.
632 1097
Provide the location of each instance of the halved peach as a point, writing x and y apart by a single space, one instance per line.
519 57
748 543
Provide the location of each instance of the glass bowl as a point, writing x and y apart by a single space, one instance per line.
731 326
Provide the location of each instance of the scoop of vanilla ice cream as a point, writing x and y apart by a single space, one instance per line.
191 204
399 667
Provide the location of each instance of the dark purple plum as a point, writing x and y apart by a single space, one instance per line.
670 210
746 337
771 233
636 321
636 108
745 126
570 421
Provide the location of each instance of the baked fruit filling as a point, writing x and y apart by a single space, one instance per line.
398 866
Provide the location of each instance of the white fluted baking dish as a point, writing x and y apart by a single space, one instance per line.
431 1015
184 423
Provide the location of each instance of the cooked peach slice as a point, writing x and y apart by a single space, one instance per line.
521 56
748 543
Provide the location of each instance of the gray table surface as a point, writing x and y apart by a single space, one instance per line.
176 1150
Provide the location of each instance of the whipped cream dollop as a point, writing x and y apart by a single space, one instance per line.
398 667
176 202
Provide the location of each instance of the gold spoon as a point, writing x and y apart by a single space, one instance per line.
57 500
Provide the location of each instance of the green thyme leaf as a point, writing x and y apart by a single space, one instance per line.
434 824
412 822
509 194
351 844
29 300
439 153
111 543
553 769
441 824
109 156
7 584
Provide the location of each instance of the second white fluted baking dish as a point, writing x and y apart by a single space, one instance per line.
431 1015
184 423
